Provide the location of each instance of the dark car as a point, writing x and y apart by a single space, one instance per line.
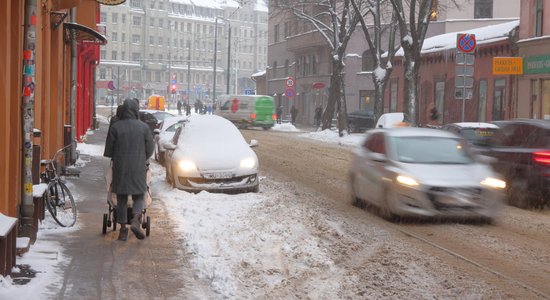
361 120
153 118
522 150
477 134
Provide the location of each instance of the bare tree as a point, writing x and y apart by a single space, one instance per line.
413 20
373 11
335 22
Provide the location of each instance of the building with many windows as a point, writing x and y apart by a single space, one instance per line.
156 44
295 49
534 47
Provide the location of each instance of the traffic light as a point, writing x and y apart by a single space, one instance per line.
173 88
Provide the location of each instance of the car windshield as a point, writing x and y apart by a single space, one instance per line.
478 136
430 150
162 115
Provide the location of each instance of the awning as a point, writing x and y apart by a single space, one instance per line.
110 2
82 34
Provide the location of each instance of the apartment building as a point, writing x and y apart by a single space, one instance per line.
154 45
300 52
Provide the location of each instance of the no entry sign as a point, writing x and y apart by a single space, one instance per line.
465 42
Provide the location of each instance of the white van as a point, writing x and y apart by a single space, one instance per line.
391 120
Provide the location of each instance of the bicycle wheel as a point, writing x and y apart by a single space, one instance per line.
60 203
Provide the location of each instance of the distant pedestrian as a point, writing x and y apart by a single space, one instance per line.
187 109
293 114
129 144
433 115
180 104
279 114
317 116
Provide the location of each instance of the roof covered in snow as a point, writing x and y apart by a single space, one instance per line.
484 35
258 74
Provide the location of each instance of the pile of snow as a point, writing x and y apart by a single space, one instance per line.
331 136
284 127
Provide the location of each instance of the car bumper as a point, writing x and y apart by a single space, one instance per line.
464 202
228 185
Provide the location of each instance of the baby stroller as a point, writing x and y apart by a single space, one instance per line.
109 219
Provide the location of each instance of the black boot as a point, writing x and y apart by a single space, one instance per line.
123 234
136 227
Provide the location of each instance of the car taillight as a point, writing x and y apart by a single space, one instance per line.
542 157
253 116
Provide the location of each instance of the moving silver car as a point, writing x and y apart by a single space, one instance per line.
423 172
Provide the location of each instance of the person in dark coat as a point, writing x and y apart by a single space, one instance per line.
279 114
129 144
293 114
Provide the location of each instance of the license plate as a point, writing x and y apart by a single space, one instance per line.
220 175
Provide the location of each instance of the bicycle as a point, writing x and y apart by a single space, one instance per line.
59 200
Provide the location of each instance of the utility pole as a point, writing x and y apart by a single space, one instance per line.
188 73
228 59
215 60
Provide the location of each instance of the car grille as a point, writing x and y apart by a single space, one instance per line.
200 180
438 195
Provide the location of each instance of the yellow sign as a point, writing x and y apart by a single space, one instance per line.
507 66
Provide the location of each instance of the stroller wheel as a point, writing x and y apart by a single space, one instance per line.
148 226
104 229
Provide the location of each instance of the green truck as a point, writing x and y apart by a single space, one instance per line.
248 110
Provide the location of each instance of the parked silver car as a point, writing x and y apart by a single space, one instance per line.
209 153
423 172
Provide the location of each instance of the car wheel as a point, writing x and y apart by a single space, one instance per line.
355 201
352 127
167 176
256 189
385 206
518 192
161 158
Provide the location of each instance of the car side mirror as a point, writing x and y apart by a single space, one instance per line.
169 146
156 131
379 157
253 143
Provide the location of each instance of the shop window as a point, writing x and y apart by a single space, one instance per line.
482 98
440 98
366 100
499 99
545 105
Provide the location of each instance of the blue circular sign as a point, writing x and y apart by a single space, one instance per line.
289 92
466 43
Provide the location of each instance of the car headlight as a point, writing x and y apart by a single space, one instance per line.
494 183
187 165
405 180
248 163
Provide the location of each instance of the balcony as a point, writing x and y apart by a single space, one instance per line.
305 41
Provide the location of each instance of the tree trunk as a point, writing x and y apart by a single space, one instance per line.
335 95
411 83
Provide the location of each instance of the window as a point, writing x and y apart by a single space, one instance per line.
539 13
274 69
102 73
123 19
440 98
135 56
276 33
113 55
366 100
151 40
482 104
286 67
393 95
483 9
136 21
123 55
135 3
123 37
499 99
161 23
367 62
103 18
545 100
114 17
435 12
152 22
135 38
102 54
136 75
114 37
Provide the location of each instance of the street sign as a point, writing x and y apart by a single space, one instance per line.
466 42
174 81
249 92
507 65
290 82
289 92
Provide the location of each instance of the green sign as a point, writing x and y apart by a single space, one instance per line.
536 64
